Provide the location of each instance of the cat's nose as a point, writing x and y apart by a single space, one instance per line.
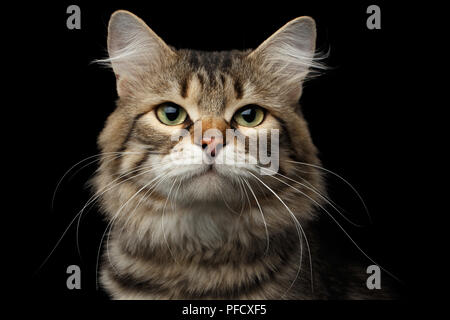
212 145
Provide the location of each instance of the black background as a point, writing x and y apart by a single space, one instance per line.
356 113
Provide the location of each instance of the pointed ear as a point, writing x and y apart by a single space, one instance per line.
133 47
289 53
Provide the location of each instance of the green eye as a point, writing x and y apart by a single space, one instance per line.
171 114
249 116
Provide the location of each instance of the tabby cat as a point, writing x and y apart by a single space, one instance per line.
183 229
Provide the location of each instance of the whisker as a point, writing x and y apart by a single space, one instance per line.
101 192
79 218
339 225
90 201
262 216
144 197
242 198
77 164
112 220
228 206
175 197
318 193
152 188
113 156
300 231
246 194
314 188
341 178
162 222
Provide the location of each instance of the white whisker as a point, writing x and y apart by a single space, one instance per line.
162 222
262 216
109 154
146 196
341 178
101 192
112 221
299 232
318 193
90 201
339 225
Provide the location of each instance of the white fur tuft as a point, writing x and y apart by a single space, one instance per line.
132 45
290 52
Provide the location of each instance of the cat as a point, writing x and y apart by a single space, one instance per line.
180 229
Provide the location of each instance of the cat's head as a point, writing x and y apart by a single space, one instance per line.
176 108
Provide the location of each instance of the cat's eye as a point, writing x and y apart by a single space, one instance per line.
249 116
171 114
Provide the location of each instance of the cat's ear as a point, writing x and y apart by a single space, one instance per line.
289 52
133 47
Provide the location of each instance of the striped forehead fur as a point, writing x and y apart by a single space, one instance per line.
288 55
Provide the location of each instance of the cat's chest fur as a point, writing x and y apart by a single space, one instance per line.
201 252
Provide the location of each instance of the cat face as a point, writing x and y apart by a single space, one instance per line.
200 125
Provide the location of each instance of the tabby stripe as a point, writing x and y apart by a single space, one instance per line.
130 132
239 256
153 286
184 87
142 160
238 89
118 160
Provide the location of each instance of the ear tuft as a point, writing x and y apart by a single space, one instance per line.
290 52
132 46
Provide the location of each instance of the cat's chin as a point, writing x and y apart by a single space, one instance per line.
208 186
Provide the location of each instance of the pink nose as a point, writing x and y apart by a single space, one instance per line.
212 145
